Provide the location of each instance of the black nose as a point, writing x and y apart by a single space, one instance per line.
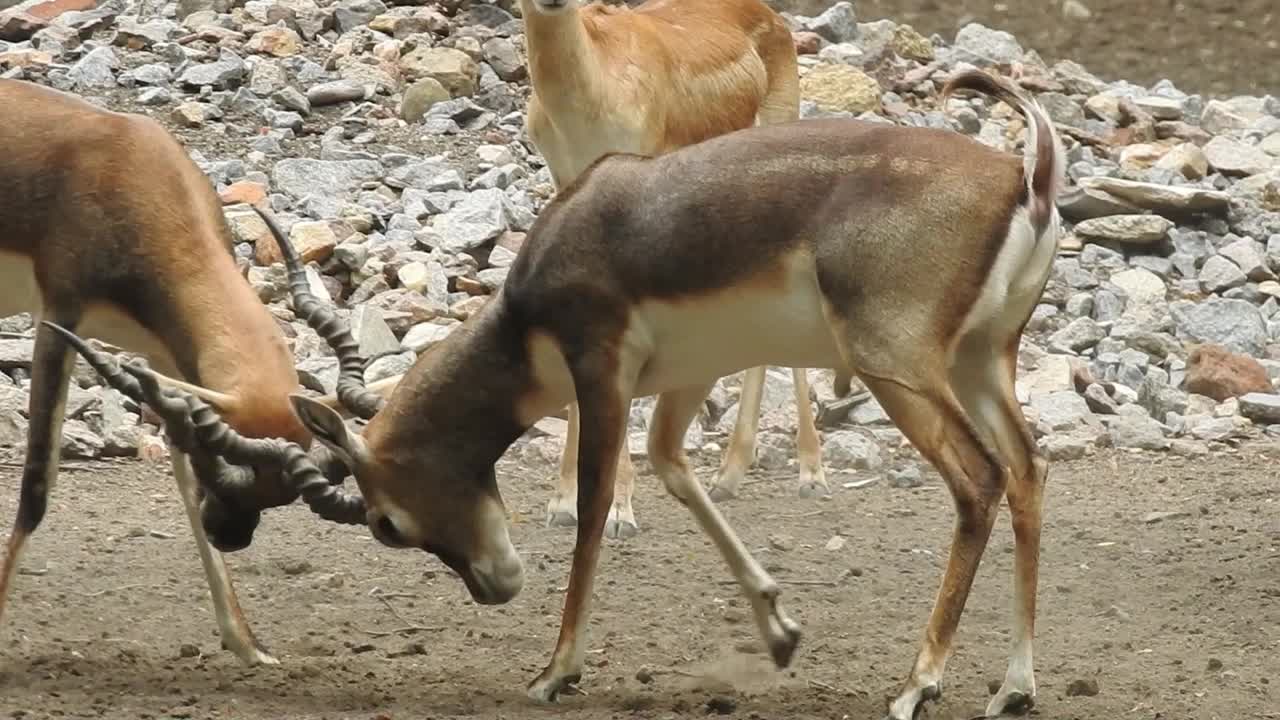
229 529
387 532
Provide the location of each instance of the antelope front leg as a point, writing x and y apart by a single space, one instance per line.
236 634
671 420
604 408
813 480
562 509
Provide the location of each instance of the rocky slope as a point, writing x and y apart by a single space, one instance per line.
388 140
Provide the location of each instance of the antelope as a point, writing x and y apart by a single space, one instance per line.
108 228
909 257
648 80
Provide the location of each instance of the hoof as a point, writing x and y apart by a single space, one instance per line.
561 513
253 656
813 490
545 688
561 519
720 494
928 693
1011 704
620 529
783 647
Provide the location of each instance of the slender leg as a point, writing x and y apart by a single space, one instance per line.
622 517
813 480
236 634
562 508
985 388
938 426
604 407
742 445
50 373
671 420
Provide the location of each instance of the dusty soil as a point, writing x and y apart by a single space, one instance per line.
1172 619
1215 47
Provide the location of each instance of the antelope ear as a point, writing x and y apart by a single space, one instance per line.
328 427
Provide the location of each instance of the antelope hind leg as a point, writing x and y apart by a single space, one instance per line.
813 479
51 372
562 508
671 418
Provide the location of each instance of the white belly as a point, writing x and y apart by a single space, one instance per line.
20 292
692 342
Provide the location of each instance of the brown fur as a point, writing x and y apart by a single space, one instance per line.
666 74
112 213
112 210
898 229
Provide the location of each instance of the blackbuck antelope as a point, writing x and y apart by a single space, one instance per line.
648 80
108 228
909 257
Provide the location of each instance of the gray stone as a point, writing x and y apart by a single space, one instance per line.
479 218
984 47
1248 255
1160 108
332 180
847 449
1177 199
227 71
1062 108
420 97
1235 324
425 335
15 353
502 56
1262 408
335 92
13 428
136 35
1145 293
389 366
908 477
1065 446
1131 229
1232 157
370 331
1220 274
1096 397
95 70
151 74
1080 334
432 174
1217 429
351 14
838 23
1061 410
1137 432
78 441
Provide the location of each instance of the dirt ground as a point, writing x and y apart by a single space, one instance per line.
1175 619
1214 47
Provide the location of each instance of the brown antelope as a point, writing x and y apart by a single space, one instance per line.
107 227
909 257
648 80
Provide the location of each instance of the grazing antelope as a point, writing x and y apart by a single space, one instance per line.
910 257
107 227
648 80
